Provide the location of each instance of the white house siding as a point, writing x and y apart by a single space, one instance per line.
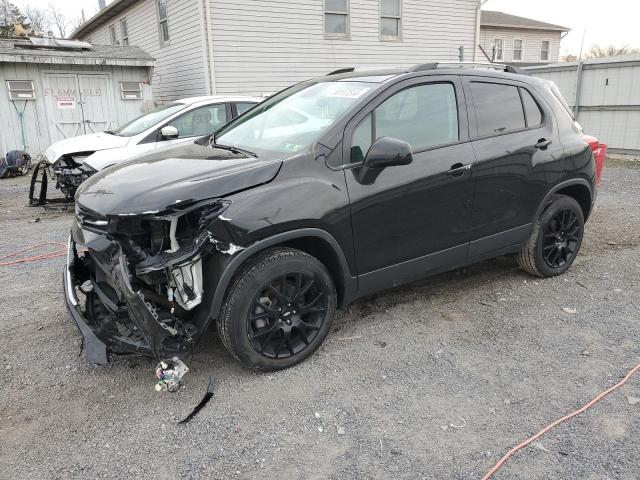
532 44
262 46
37 125
180 70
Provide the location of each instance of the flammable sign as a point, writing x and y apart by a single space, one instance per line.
64 103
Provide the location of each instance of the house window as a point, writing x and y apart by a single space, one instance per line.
498 49
336 18
112 35
544 52
517 50
390 19
163 22
124 31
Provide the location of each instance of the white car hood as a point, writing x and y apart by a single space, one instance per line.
105 158
85 143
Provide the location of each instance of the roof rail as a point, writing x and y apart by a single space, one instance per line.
342 70
495 66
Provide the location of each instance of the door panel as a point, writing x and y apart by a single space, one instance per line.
411 212
510 175
96 101
63 106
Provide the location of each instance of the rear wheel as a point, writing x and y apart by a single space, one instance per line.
555 239
278 309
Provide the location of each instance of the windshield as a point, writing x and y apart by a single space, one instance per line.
148 120
294 122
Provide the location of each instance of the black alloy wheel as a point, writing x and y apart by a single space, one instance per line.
278 309
562 237
555 239
287 315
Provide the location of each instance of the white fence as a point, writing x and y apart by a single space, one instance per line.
607 94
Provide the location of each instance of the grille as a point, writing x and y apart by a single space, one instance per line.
90 220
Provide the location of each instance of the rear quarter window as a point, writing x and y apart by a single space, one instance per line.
498 108
531 108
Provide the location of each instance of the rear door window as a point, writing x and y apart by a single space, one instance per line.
498 108
242 107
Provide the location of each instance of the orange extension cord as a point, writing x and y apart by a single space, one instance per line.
495 468
35 258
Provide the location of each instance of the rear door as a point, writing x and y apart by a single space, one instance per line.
515 143
414 218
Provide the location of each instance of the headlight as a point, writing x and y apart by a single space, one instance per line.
166 233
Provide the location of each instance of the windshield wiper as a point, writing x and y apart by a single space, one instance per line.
232 148
111 132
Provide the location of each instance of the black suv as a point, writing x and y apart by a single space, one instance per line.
332 189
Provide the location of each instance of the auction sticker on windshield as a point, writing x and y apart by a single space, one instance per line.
349 92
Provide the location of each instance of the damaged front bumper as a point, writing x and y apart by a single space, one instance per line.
95 348
134 284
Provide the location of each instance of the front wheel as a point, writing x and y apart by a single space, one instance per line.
278 309
555 239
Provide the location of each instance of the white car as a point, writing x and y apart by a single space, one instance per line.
73 160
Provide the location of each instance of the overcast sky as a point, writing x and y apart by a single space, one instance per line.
606 22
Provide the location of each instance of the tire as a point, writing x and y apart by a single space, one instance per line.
555 238
277 310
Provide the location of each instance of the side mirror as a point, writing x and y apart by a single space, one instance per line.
387 152
169 133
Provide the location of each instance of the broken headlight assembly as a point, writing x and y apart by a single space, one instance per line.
167 249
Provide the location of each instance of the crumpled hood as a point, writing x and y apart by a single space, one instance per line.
84 143
173 177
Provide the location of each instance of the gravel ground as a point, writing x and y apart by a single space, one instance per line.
437 379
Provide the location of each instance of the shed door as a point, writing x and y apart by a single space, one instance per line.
63 106
77 104
96 101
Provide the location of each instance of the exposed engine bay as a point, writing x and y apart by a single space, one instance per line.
138 279
69 171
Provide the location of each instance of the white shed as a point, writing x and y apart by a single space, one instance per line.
52 89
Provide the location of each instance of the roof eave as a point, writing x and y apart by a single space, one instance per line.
555 28
103 16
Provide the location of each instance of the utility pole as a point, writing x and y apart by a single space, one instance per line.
576 103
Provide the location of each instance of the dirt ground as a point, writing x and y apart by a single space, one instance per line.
434 380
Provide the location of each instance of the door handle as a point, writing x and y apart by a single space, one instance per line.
458 169
543 143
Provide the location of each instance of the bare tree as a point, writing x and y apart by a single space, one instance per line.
59 21
77 22
38 20
10 15
597 51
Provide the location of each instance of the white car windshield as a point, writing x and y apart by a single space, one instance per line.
148 120
295 121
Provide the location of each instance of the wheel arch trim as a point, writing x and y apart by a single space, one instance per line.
568 183
236 262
